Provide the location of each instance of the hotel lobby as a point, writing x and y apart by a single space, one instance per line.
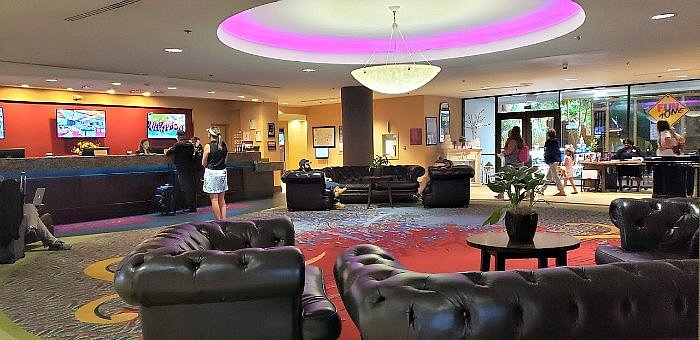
370 187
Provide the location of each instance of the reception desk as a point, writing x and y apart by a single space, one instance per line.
84 188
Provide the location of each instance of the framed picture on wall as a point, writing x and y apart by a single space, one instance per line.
272 146
270 129
444 121
258 136
431 130
416 136
323 136
252 124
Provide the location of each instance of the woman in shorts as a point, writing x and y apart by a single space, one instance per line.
215 179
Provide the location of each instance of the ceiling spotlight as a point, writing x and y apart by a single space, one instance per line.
308 70
172 88
681 76
663 16
211 92
173 50
116 83
255 99
69 89
24 85
673 69
284 103
242 97
485 88
146 93
52 80
570 79
111 91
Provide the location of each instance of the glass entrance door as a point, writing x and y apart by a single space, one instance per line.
533 126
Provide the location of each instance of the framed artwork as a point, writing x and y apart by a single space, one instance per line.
251 124
431 130
340 138
416 136
270 129
444 121
258 136
272 146
323 136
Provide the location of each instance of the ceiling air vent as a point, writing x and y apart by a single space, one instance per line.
101 10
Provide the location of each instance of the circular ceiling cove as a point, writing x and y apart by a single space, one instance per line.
352 32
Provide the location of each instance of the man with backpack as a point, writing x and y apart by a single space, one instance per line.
552 156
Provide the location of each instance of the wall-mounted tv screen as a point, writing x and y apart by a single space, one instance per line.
165 125
2 124
80 123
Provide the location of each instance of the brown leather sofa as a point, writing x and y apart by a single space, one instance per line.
448 187
226 279
633 300
653 229
356 180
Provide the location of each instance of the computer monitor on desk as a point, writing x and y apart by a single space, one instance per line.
101 151
12 153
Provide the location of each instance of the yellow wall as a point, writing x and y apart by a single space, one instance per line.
398 114
296 143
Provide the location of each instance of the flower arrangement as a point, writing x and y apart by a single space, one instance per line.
82 145
379 160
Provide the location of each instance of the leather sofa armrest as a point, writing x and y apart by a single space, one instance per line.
209 276
314 176
629 216
275 231
320 317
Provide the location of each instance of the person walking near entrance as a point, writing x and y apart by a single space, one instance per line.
511 153
552 156
215 178
183 154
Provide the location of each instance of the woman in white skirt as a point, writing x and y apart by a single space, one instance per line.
215 179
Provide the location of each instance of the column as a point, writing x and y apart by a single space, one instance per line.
358 141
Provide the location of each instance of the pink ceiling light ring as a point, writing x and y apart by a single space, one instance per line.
555 18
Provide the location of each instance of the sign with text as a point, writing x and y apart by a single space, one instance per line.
668 109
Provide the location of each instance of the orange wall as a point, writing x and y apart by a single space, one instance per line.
398 114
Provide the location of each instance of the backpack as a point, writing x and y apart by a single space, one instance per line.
524 154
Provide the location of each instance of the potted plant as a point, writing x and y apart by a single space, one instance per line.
518 184
82 145
377 163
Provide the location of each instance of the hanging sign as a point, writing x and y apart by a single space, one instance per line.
668 109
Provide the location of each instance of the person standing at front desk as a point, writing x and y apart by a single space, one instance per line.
144 148
215 177
673 171
183 152
628 151
670 143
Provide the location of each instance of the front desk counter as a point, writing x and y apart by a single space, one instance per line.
85 188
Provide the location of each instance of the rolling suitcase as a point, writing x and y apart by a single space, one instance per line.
165 199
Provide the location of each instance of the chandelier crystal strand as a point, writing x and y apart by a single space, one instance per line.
396 78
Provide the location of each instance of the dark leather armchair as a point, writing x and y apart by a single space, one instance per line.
307 191
652 229
655 299
226 279
448 187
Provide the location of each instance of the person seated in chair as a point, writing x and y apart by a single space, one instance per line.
337 189
32 223
628 151
439 163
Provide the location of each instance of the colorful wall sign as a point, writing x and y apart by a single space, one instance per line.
668 109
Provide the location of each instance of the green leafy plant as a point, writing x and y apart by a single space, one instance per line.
518 184
379 160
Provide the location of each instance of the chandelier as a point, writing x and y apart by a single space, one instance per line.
395 78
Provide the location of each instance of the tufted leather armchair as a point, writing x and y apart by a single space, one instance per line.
355 179
307 191
448 187
656 299
652 229
226 279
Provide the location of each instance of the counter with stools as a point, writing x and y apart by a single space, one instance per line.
674 176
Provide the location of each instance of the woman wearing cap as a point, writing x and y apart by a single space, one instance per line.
215 179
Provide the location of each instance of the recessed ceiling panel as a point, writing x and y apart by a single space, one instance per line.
353 32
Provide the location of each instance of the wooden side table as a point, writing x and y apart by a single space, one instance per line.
543 247
373 180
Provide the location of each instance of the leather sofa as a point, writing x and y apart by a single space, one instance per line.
356 180
654 299
226 279
448 187
307 191
652 229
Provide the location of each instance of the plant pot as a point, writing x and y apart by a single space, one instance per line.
376 171
521 226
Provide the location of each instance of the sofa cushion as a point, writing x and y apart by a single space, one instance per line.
397 185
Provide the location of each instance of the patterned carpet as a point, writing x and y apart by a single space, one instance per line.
59 295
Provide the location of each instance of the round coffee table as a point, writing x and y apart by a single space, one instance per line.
543 247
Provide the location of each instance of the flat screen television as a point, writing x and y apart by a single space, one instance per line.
165 125
2 124
72 123
321 153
